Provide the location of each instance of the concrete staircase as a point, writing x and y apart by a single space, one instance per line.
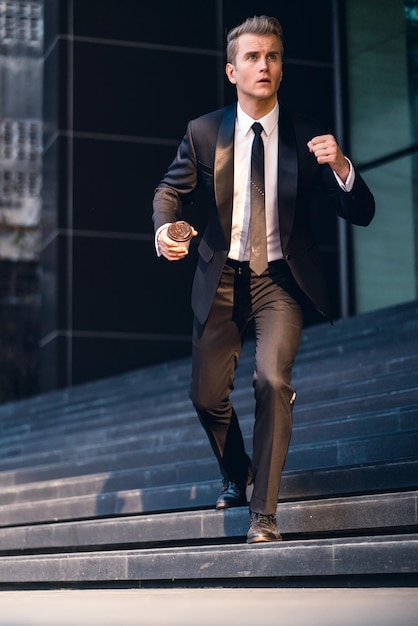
113 482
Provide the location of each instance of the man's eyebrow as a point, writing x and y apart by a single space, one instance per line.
258 52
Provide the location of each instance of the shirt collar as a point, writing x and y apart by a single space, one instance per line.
268 122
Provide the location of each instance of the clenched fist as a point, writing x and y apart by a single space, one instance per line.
326 150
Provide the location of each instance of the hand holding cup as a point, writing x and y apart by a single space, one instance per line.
174 241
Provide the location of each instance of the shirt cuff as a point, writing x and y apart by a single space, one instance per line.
157 247
349 183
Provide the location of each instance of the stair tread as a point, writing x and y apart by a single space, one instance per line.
331 453
188 437
331 515
316 557
115 499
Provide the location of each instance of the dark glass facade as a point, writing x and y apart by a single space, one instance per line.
121 80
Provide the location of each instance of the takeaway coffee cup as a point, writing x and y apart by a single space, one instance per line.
181 232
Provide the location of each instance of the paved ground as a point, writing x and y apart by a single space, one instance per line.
210 607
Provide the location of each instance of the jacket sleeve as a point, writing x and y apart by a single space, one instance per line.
178 184
356 206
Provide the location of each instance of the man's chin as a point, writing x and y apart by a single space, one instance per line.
266 95
266 90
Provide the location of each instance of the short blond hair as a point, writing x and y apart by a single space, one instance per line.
257 25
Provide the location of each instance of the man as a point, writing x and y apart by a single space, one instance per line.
249 273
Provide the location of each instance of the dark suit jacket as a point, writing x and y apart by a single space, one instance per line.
205 158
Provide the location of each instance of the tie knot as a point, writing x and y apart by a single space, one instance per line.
257 128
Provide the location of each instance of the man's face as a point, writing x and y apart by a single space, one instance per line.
257 69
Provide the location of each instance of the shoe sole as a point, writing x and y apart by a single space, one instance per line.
264 540
224 505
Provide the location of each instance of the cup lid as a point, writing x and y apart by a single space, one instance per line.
180 231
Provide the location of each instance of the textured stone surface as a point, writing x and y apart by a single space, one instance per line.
327 557
383 512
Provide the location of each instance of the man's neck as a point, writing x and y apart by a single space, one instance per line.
257 109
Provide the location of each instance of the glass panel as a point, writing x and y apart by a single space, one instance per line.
384 252
382 124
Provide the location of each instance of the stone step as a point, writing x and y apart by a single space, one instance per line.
120 493
89 421
99 410
361 365
401 386
170 431
329 344
139 389
183 440
347 556
158 464
321 391
399 321
385 512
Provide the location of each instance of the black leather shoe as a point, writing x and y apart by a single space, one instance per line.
263 528
231 495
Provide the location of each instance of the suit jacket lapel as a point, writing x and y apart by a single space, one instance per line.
288 176
224 170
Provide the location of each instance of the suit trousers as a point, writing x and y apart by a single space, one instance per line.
272 300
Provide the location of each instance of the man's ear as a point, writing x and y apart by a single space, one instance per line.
230 72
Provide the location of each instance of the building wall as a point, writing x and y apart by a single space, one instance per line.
122 79
21 50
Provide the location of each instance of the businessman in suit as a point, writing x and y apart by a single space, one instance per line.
261 168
